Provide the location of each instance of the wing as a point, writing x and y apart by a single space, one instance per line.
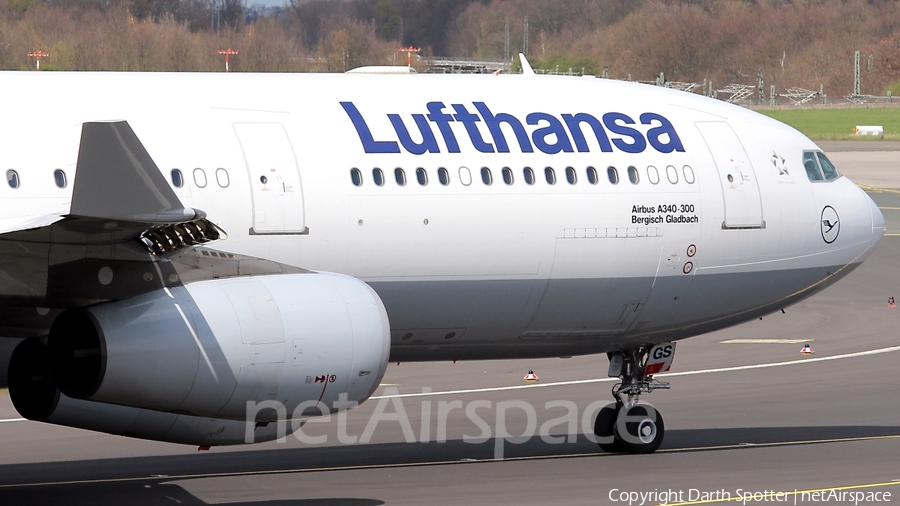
127 233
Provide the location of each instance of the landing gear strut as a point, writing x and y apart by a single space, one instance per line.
625 425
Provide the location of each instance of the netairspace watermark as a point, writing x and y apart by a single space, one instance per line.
745 497
391 410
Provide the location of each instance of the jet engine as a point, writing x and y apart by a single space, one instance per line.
255 349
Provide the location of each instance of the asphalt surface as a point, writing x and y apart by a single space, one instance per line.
743 416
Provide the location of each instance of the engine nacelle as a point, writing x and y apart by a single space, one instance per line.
36 397
214 348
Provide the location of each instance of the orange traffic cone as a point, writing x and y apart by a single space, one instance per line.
531 376
807 350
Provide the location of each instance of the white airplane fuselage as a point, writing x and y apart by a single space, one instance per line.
717 222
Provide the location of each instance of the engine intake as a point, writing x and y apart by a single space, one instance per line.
79 360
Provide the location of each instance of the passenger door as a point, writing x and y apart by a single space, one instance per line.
743 206
274 178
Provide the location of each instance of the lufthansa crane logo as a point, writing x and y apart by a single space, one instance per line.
831 224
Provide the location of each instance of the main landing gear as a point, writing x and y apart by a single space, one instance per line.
625 425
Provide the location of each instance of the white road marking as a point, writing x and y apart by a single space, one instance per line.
878 351
8 420
766 341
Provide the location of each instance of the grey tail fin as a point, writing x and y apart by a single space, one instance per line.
526 67
116 179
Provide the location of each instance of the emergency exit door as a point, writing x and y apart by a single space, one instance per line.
275 187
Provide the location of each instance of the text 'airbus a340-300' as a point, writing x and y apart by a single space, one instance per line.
172 252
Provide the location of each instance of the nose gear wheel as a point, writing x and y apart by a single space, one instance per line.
626 425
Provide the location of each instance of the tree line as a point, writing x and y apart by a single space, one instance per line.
803 43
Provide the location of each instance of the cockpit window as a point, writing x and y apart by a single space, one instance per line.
819 167
811 166
827 167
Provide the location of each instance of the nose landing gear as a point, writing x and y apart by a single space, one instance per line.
625 425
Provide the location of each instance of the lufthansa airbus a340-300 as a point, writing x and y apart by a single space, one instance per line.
174 247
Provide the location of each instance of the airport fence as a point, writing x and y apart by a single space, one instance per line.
758 95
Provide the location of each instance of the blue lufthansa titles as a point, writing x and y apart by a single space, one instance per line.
551 136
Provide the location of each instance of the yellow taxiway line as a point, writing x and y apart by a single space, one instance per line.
772 494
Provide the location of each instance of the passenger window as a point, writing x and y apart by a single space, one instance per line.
528 174
592 175
827 167
613 175
200 178
486 177
672 174
550 175
400 176
378 177
652 175
507 175
60 178
12 177
421 176
633 175
688 174
571 177
811 166
222 177
465 177
443 176
356 177
177 178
